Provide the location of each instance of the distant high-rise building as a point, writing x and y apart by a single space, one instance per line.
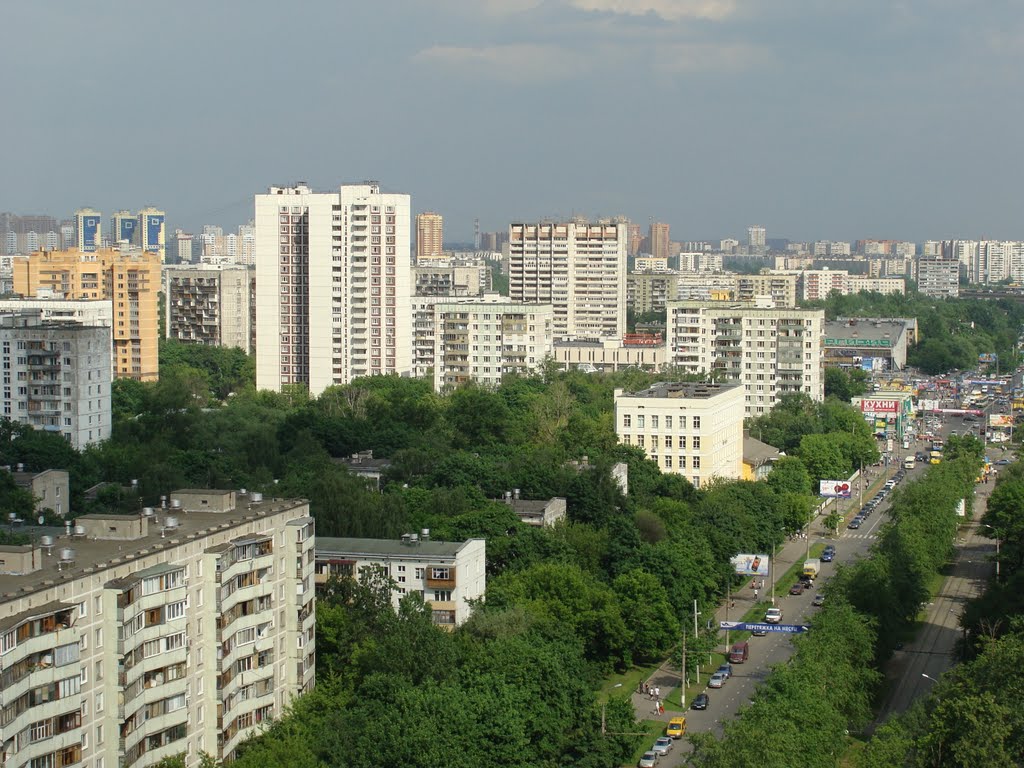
756 236
151 232
938 276
634 238
181 247
579 268
124 228
333 285
659 239
88 229
209 305
429 235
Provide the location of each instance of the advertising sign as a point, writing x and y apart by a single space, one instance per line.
834 489
830 342
867 363
987 357
751 626
750 565
999 420
876 405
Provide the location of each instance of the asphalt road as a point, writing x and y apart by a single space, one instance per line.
929 654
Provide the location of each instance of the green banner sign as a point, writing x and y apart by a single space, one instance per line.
858 343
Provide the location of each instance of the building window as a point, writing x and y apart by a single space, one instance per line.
627 420
442 595
696 443
654 421
640 421
668 422
668 462
682 442
696 422
696 462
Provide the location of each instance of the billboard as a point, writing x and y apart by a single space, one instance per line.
834 489
987 357
1000 420
750 565
877 405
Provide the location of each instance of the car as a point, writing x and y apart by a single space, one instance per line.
701 701
725 669
921 456
773 616
797 589
717 680
648 760
855 523
662 746
826 557
1002 462
889 484
819 600
758 631
676 728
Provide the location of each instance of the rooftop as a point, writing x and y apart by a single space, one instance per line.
864 329
375 548
757 453
91 555
690 390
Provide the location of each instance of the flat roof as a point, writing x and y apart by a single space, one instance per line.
866 329
690 390
372 548
96 555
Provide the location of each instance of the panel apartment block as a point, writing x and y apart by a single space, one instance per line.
126 639
333 283
771 351
209 305
690 429
56 377
449 575
577 267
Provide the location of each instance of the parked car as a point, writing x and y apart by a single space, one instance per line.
701 701
855 523
797 589
648 760
1003 462
773 616
662 746
819 600
725 669
676 727
717 680
829 553
921 456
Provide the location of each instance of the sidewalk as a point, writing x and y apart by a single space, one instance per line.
666 677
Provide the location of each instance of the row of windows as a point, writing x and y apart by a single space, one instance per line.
627 421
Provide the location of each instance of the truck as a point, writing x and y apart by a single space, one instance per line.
812 568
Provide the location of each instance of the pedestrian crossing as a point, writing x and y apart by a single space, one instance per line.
857 535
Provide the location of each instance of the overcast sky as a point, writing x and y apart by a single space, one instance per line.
835 119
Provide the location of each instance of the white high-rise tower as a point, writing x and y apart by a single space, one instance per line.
333 285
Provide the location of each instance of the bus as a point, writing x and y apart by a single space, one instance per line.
908 462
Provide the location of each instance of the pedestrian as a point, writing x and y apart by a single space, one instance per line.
657 693
661 708
755 594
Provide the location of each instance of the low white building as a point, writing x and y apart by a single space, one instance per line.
609 355
449 574
693 429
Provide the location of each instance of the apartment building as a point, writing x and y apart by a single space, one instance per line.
577 267
56 377
689 429
88 230
781 289
429 235
772 351
127 639
451 279
650 291
209 305
891 285
659 240
333 286
482 340
449 575
50 488
700 261
650 264
938 276
129 280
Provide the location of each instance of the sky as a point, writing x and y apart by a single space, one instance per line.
818 119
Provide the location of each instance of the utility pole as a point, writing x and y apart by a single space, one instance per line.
682 675
696 613
771 567
728 602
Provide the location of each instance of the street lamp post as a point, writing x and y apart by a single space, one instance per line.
929 677
994 531
696 613
771 567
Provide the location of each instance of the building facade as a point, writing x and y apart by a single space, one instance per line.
872 345
609 355
483 340
448 575
180 630
333 286
209 305
130 280
577 267
771 351
57 377
429 235
659 240
781 289
50 488
689 429
938 276
88 230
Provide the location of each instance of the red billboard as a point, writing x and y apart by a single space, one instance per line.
877 405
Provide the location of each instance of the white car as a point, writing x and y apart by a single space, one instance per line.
773 616
717 680
648 760
662 746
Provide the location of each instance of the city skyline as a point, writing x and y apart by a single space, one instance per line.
738 112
